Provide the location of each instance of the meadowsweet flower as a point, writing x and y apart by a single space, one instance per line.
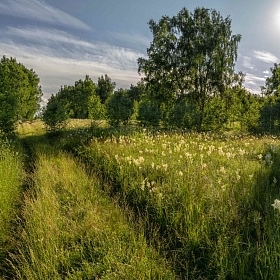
165 166
259 156
180 173
222 170
276 204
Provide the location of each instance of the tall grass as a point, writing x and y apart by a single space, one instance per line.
73 232
11 180
209 197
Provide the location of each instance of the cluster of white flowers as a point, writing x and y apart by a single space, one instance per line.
276 204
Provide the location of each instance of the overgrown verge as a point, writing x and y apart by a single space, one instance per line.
206 202
72 231
11 180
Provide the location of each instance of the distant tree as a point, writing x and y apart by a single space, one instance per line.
272 83
149 112
55 115
270 113
96 110
105 88
82 95
136 91
20 94
191 54
77 99
119 107
183 114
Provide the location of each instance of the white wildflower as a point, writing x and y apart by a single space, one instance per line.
276 204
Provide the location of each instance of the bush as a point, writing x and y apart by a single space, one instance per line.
149 113
119 108
55 116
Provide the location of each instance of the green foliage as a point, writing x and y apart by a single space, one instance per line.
136 91
20 94
11 180
270 115
149 112
82 95
96 110
105 88
119 107
191 54
55 115
8 112
77 99
214 114
272 83
184 114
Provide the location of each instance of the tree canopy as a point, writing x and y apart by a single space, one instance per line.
20 93
191 54
105 87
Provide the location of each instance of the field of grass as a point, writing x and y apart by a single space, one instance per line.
136 204
72 231
207 197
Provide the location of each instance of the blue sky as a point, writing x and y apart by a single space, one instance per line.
63 40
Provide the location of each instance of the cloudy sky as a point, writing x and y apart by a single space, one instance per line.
63 40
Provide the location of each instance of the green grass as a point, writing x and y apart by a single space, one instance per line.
190 204
208 196
72 231
11 180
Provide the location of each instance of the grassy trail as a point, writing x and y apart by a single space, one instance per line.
72 231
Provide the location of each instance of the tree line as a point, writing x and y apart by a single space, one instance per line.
189 82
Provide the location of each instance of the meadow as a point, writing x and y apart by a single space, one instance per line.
132 203
205 200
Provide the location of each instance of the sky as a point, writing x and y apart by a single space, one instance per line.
64 40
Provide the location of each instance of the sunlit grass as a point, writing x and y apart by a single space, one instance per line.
203 201
72 231
209 195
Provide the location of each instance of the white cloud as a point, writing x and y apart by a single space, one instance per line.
266 72
40 11
265 56
253 82
60 58
247 62
61 43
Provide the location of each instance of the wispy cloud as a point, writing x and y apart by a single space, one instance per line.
247 62
253 82
60 58
138 41
40 11
266 56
